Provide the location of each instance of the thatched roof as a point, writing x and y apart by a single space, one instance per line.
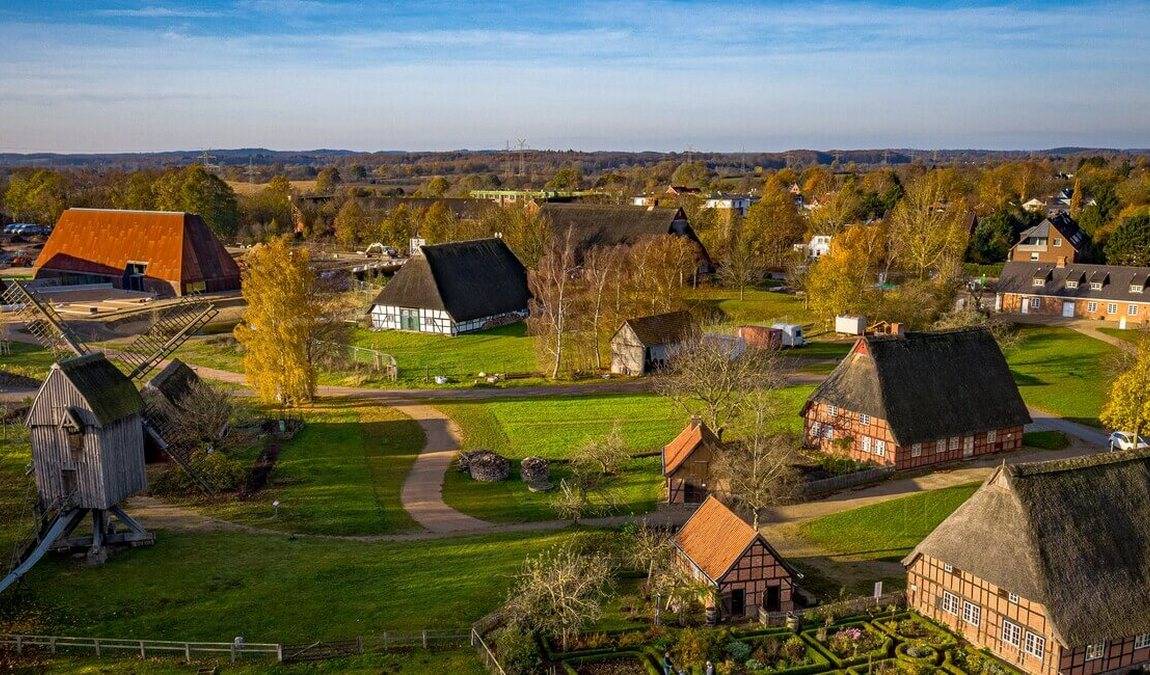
715 537
927 386
109 393
1072 534
467 279
661 329
612 225
693 436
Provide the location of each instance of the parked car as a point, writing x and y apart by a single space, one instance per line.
1121 440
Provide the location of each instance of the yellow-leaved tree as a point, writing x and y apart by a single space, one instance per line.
1128 406
280 323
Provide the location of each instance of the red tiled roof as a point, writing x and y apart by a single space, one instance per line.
714 538
177 246
691 438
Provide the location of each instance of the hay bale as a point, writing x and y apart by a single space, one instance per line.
536 473
487 466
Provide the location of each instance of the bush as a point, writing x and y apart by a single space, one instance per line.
1046 440
517 652
738 650
632 640
694 646
794 649
216 468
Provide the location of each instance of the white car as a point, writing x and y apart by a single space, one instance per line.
1121 440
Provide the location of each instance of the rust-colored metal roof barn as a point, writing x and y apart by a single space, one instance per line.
167 252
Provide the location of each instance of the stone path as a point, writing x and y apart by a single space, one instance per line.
1091 331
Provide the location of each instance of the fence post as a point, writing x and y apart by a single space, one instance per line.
96 642
233 651
19 644
142 653
279 653
425 638
187 652
359 643
52 644
385 641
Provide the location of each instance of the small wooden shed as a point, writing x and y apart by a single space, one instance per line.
687 463
647 343
87 434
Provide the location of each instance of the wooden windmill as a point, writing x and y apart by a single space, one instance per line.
88 425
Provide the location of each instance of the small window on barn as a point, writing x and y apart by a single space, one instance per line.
1092 307
1058 241
1011 633
832 411
1131 309
1071 284
954 441
1095 651
1142 641
1112 308
1095 285
73 428
1038 282
992 436
866 443
864 418
1135 288
916 450
1013 597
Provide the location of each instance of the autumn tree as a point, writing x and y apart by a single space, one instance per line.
439 224
690 174
350 223
39 196
327 180
279 324
398 227
559 593
436 186
772 227
569 177
741 267
1128 405
196 190
843 281
595 468
1076 198
1129 244
927 230
758 472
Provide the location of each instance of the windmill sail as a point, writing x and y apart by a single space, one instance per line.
40 320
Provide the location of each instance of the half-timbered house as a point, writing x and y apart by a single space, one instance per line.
918 399
454 288
1047 565
722 550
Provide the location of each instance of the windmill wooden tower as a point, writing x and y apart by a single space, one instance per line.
88 425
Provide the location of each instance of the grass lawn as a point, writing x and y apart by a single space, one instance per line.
1132 335
886 530
17 490
341 475
552 427
756 306
26 360
463 660
212 587
1062 371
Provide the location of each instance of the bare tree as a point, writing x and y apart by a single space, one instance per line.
554 293
559 593
206 419
758 472
709 381
595 467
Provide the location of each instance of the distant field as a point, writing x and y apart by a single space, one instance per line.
1062 371
886 530
552 427
246 188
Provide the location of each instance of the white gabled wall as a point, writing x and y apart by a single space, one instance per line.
387 317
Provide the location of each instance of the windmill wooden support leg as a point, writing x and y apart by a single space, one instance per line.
98 552
136 535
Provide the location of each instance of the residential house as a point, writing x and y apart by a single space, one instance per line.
732 204
722 550
614 225
1047 565
454 288
1106 292
918 399
163 252
817 247
687 463
647 343
1057 239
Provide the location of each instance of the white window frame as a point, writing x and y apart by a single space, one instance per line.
968 444
1013 597
1071 284
950 603
880 447
1095 285
1112 308
1035 645
1131 310
1096 651
1011 633
1142 641
1034 256
832 411
947 567
1092 306
1036 303
1058 241
955 443
864 418
1135 288
866 444
1038 283
916 450
971 613
992 436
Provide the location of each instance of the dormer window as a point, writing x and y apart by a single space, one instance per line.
1071 283
1135 288
1038 281
1095 285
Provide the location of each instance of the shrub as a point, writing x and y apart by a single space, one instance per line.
632 640
794 648
596 641
752 664
216 468
517 651
694 646
738 650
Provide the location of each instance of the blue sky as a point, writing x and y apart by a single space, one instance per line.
133 75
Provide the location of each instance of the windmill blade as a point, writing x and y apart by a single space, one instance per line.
172 327
40 319
153 423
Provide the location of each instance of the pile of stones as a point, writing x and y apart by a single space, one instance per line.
484 465
536 473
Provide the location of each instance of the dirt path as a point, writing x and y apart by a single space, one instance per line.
1091 331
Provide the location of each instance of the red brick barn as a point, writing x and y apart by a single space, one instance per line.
725 552
687 463
1047 565
918 399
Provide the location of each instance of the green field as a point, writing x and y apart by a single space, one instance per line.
886 530
725 307
1131 335
341 475
275 588
552 427
1062 371
26 360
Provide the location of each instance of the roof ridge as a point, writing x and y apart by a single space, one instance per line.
1050 466
156 211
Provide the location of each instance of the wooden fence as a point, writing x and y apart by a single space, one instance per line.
485 653
143 648
846 481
